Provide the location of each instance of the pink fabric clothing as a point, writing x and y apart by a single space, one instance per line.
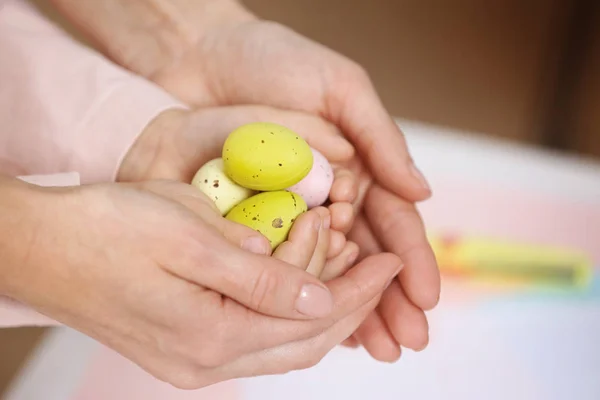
64 109
63 106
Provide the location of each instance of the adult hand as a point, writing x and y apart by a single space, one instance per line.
153 271
256 62
186 145
214 53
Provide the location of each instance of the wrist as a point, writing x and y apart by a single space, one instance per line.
21 218
154 153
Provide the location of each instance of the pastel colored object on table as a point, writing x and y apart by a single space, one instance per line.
315 187
504 260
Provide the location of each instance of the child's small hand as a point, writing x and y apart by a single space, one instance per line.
341 196
341 253
317 242
308 241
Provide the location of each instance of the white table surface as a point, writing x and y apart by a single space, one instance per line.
56 367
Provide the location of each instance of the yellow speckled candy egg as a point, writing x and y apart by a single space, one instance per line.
212 180
266 157
270 213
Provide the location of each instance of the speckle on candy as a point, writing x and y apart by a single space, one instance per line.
277 223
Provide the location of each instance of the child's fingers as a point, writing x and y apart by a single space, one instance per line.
337 241
342 216
319 257
343 262
345 186
299 248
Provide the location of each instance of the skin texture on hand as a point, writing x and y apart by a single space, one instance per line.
153 271
177 142
229 58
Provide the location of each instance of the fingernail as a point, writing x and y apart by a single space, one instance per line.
314 301
418 175
255 245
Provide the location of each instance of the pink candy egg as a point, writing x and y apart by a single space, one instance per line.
315 187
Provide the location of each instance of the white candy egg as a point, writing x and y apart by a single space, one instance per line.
213 182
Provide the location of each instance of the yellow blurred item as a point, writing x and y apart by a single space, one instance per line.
501 260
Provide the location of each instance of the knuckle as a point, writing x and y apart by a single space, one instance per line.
204 348
265 285
210 355
214 352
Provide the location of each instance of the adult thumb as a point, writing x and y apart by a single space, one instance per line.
269 286
228 266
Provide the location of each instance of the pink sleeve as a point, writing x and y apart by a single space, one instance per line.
64 107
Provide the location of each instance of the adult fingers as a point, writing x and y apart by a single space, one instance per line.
399 228
353 104
261 283
373 333
295 355
240 235
407 322
377 339
352 291
362 235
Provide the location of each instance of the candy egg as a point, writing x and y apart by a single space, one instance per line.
270 213
266 157
212 180
315 187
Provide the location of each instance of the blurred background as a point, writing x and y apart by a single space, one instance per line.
523 71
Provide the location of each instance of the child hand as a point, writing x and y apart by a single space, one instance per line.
317 242
314 247
177 143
